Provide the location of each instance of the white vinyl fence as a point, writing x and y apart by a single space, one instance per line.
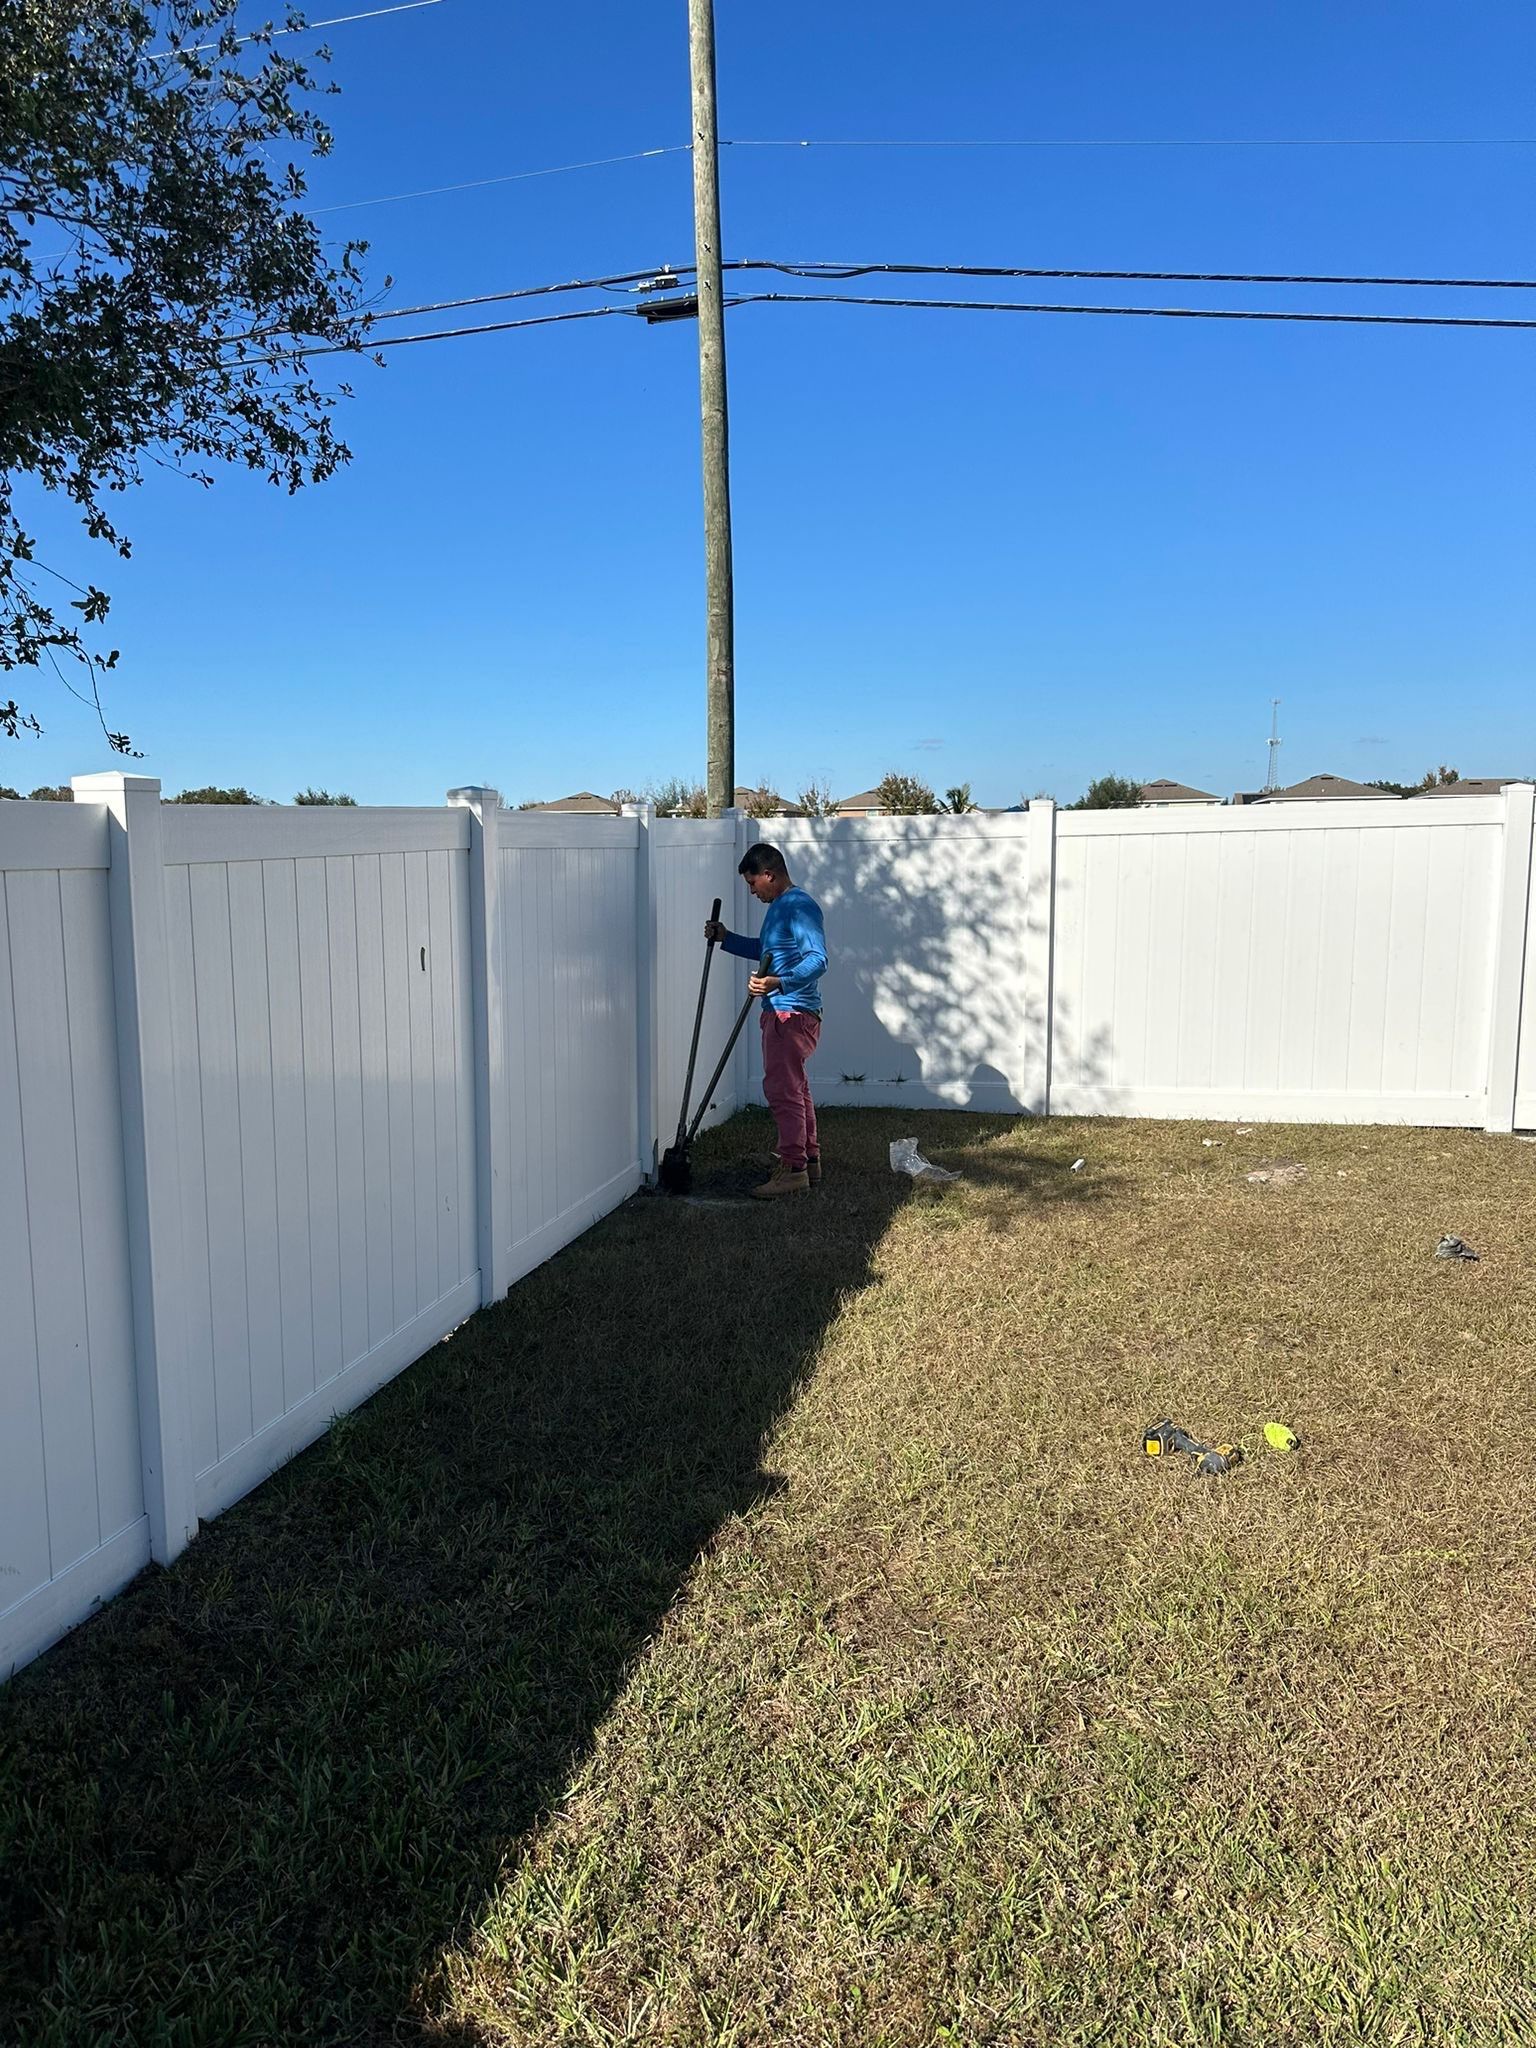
1327 962
322 1073
286 1094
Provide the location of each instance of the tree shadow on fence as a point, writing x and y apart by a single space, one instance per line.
254 1800
938 986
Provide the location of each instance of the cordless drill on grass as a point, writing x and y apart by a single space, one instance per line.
1163 1439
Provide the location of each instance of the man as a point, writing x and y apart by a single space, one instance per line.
794 945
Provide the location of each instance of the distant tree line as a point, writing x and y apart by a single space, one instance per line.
1432 778
1109 793
679 797
908 796
61 793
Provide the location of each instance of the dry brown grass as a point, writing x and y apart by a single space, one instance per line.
828 1665
1139 1757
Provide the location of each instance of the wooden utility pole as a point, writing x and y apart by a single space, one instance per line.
720 671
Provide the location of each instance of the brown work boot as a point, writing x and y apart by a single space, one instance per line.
812 1166
782 1182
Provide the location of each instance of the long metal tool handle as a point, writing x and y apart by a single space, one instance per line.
698 1025
730 1047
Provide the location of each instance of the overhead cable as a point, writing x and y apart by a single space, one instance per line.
367 348
331 21
677 274
959 142
372 14
926 305
633 278
846 270
1136 142
1131 312
595 163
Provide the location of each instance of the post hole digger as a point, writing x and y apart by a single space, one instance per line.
676 1172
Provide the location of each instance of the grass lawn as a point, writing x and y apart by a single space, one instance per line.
764 1628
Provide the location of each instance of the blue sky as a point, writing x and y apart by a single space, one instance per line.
1013 551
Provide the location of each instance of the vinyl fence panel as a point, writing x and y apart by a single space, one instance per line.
1525 1073
1511 1084
694 861
322 1052
72 1523
1328 961
566 903
935 996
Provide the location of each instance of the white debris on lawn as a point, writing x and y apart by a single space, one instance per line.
905 1158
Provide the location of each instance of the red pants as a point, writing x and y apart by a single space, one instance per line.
789 1039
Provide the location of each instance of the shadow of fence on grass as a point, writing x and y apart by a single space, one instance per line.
254 1800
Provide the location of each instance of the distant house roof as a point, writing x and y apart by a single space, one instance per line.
1165 792
583 801
1471 785
1322 786
866 800
781 806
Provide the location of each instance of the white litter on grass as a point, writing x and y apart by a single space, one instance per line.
1209 1143
905 1158
1078 1165
1245 1130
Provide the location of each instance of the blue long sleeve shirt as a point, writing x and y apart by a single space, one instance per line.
793 940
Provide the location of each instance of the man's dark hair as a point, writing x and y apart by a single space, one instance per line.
762 859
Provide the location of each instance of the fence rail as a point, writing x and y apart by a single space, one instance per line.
287 1094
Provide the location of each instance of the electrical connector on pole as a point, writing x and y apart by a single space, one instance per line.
655 311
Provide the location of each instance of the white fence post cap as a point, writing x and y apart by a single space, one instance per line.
113 782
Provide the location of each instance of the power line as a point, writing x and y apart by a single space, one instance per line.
367 348
927 305
625 279
332 21
848 270
595 163
1131 312
631 278
491 327
636 280
1087 142
1143 142
373 13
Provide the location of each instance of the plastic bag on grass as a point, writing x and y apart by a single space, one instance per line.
905 1158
